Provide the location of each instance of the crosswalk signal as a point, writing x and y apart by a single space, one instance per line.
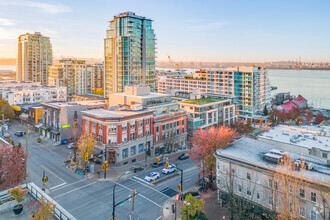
134 193
45 179
158 160
106 166
179 187
173 208
86 158
167 164
103 166
177 197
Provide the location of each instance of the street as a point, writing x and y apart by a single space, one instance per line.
91 199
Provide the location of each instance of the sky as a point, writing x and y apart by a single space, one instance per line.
187 30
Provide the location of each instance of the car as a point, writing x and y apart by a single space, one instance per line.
5 127
171 169
183 157
152 176
161 163
19 133
6 135
71 145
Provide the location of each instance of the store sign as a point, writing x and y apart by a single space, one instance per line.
66 126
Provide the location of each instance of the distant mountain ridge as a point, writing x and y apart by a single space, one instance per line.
7 61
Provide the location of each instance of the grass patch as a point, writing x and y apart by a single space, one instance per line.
202 101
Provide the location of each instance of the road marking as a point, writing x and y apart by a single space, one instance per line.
58 186
184 164
151 188
158 217
140 181
74 190
187 180
53 173
55 188
140 195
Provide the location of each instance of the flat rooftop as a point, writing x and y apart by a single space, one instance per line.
307 136
203 101
76 103
247 150
117 114
151 95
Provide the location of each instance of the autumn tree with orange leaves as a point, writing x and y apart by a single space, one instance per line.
206 142
12 165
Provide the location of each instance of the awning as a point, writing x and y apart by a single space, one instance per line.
38 125
23 117
16 108
57 132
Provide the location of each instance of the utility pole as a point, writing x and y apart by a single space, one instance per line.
3 121
27 142
181 183
133 197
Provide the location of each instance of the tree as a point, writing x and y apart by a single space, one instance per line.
206 142
265 113
242 127
318 119
6 109
276 116
46 211
13 165
86 146
294 113
309 116
195 205
18 193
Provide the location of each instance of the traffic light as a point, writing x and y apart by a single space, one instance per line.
158 160
179 187
177 197
45 179
167 164
86 158
103 166
173 209
106 166
134 193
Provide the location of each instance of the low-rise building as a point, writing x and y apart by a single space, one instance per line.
306 140
249 177
23 93
206 112
63 120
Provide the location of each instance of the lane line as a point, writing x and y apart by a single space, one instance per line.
187 180
158 218
74 190
141 195
53 173
140 181
152 188
185 164
67 185
54 187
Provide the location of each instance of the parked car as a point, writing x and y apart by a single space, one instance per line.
6 135
19 133
183 157
171 169
161 163
71 145
152 176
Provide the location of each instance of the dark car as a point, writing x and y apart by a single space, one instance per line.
161 163
19 133
183 157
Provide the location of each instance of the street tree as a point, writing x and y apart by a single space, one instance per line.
206 142
13 165
46 211
276 116
294 114
265 112
6 110
195 205
86 144
242 127
318 119
309 116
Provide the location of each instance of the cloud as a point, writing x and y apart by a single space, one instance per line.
45 7
207 27
6 22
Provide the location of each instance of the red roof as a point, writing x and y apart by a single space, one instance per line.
300 99
289 106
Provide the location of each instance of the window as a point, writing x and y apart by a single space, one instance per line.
218 165
239 172
258 195
182 130
140 148
270 200
163 127
313 196
324 155
275 185
248 176
248 191
302 211
132 136
157 129
125 153
257 178
223 183
270 183
177 123
133 150
167 126
313 215
239 188
182 122
302 193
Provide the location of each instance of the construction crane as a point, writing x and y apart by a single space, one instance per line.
175 65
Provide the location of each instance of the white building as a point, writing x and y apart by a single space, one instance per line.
249 85
247 171
21 93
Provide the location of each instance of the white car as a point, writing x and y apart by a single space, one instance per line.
71 145
171 168
152 176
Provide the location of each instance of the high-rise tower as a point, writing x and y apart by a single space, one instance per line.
129 52
33 58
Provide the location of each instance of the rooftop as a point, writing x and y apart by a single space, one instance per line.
151 95
288 106
307 136
300 99
247 150
69 104
202 101
115 114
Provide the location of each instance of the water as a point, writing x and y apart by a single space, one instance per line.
314 85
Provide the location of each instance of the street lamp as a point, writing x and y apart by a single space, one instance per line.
113 196
187 205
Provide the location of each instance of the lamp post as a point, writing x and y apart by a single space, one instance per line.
113 196
187 205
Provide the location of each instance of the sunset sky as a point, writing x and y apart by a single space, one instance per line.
187 30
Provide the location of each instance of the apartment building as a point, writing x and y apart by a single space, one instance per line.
249 85
209 111
62 121
76 75
97 76
34 56
22 93
129 50
248 175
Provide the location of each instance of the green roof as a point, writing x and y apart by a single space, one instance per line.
202 101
